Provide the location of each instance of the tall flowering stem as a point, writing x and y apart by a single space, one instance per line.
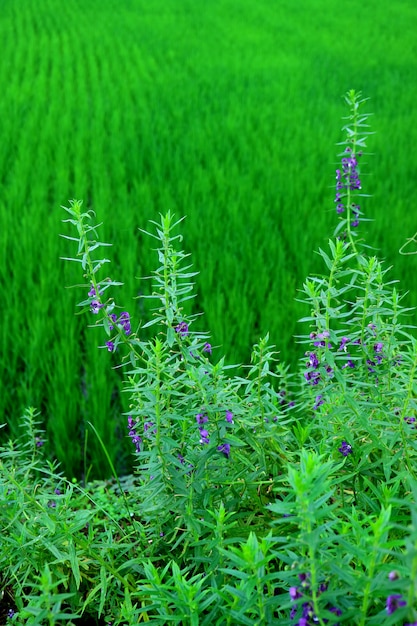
119 328
348 176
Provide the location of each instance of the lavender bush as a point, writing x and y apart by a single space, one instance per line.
259 498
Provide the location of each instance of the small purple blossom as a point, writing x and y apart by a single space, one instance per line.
294 593
113 318
371 365
313 360
329 371
207 348
204 436
312 377
124 321
95 306
229 417
320 339
394 575
10 613
394 602
182 329
343 343
39 442
110 346
345 448
224 448
201 418
319 402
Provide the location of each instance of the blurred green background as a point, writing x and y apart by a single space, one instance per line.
225 111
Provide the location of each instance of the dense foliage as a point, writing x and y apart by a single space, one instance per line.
257 498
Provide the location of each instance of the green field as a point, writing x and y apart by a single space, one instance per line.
223 111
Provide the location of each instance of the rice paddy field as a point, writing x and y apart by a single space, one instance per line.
221 110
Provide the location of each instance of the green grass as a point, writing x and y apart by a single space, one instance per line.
222 111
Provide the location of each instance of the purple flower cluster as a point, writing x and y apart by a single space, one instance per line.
394 602
224 448
307 617
202 419
122 322
348 178
377 358
312 375
95 304
345 449
132 425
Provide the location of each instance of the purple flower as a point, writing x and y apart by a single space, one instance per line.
370 365
312 377
329 371
224 448
313 360
207 348
345 448
347 178
295 593
57 491
229 417
204 436
394 602
39 442
92 293
343 343
95 306
349 363
201 418
319 402
113 317
124 321
182 329
320 339
133 434
394 575
110 346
